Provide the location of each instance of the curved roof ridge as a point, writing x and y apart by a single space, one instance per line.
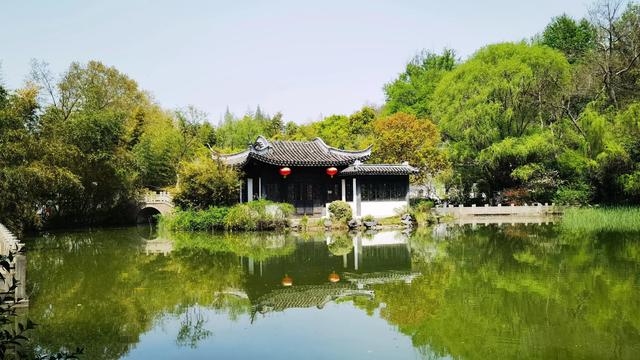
296 153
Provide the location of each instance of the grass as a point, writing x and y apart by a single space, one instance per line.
614 219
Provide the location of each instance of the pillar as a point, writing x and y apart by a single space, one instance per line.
259 188
344 190
21 276
249 189
356 198
354 191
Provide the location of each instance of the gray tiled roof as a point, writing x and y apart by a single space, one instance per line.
379 169
296 153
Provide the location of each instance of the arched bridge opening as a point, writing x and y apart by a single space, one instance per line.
148 215
154 204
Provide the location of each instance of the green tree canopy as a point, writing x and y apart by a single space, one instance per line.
411 92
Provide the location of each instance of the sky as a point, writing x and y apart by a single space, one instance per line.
306 59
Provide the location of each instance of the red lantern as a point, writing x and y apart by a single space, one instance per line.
332 171
333 277
287 281
285 171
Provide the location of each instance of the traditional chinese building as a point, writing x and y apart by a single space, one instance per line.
310 174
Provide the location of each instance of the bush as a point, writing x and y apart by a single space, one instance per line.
259 215
368 218
196 220
255 215
205 183
576 195
421 212
340 211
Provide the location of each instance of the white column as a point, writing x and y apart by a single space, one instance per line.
354 191
249 189
356 211
259 188
344 190
240 192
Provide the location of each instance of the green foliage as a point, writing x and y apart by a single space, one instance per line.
576 194
195 220
616 220
411 92
403 137
353 132
504 92
340 212
206 182
368 218
234 134
252 216
574 39
259 215
420 210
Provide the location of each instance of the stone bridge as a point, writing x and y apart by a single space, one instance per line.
18 266
154 203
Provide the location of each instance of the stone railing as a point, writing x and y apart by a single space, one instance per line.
158 197
486 210
9 243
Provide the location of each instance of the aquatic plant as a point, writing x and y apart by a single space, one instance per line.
614 219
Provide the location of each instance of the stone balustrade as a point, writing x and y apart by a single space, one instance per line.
9 243
499 210
158 197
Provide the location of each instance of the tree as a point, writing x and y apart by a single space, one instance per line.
504 91
574 39
616 59
403 137
205 183
411 92
32 177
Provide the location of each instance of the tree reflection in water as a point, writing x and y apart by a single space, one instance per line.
491 292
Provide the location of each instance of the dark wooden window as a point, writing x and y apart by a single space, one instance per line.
381 190
349 189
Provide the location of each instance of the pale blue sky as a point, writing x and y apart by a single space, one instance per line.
304 58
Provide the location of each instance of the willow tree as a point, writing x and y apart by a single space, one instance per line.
504 91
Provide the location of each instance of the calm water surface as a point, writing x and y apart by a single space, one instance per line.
457 292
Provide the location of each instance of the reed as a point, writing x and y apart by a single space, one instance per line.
613 219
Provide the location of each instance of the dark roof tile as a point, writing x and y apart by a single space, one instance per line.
296 153
379 169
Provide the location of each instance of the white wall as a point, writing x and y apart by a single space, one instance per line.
380 209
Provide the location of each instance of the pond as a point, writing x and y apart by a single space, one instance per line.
454 292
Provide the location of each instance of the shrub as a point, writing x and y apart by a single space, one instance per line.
192 220
516 196
205 183
420 211
576 195
255 215
340 211
368 218
258 215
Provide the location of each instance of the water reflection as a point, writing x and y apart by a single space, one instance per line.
523 291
